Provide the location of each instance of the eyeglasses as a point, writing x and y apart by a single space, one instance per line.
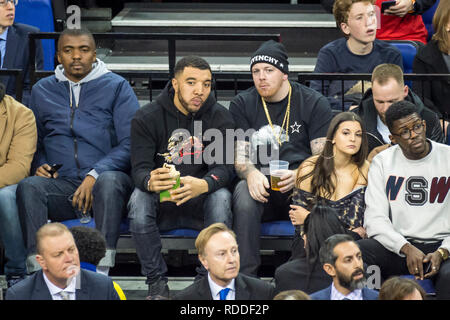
405 133
4 3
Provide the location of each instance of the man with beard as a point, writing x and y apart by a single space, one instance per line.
342 260
407 203
288 119
184 114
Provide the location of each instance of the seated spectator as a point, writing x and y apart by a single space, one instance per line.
342 260
435 58
83 115
398 288
357 52
91 245
17 146
60 277
306 273
185 105
403 21
285 118
218 252
388 87
292 295
338 176
14 49
407 203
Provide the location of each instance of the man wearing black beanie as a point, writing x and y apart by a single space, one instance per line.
280 116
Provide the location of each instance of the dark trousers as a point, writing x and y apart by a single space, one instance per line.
145 209
391 264
247 217
41 199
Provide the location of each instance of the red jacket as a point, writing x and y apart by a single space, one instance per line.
409 27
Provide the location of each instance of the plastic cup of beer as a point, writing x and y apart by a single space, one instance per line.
277 169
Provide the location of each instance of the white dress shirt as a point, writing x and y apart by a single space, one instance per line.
215 289
383 130
54 290
354 295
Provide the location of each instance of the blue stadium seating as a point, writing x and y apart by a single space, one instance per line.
427 18
408 49
426 284
39 13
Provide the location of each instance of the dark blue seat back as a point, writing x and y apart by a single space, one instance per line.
408 49
427 18
282 228
39 13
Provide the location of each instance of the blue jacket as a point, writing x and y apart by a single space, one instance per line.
83 129
325 294
17 57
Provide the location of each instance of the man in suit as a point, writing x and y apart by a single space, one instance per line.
60 277
218 253
14 49
342 260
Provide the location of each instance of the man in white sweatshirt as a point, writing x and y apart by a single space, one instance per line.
407 215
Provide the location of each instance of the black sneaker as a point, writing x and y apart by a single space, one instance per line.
12 280
158 290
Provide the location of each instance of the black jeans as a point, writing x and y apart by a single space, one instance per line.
391 264
248 215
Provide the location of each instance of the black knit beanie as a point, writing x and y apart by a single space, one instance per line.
273 53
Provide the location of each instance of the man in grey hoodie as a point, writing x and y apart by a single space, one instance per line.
83 114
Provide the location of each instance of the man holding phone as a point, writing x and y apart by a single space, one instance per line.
83 116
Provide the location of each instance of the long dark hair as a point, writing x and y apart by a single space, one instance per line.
321 182
320 224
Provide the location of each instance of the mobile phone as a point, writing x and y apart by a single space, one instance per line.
427 267
386 5
54 167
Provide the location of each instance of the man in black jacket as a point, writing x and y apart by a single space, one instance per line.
178 128
388 87
218 252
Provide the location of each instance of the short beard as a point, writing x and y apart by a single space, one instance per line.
351 284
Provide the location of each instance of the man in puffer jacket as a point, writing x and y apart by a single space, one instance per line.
83 116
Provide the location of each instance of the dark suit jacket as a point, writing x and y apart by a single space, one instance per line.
247 288
293 275
17 57
94 286
325 294
436 93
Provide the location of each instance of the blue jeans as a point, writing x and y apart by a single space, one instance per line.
145 211
11 233
248 215
41 199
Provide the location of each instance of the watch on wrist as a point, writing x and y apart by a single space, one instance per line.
443 253
413 2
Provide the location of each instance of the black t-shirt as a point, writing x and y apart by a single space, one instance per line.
310 116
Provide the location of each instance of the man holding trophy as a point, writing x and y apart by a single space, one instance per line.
179 182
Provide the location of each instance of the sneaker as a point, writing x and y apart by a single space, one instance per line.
12 280
158 290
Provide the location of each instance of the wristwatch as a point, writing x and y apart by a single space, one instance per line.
443 253
413 6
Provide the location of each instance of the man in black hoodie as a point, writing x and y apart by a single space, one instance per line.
177 128
388 87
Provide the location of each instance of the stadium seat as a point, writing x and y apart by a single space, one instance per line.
426 284
427 18
39 13
408 49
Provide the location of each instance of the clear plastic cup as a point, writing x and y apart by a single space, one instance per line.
277 169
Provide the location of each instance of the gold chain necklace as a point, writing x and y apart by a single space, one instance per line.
286 117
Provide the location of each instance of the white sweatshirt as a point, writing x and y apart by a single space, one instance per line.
409 199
